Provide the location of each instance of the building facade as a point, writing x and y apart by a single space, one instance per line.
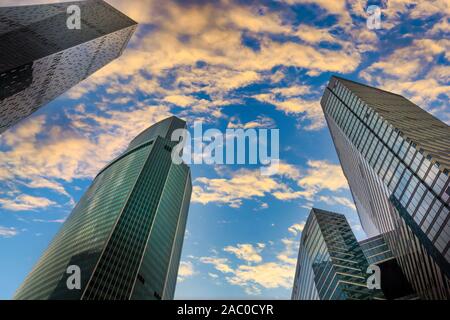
331 264
41 58
396 158
392 279
126 233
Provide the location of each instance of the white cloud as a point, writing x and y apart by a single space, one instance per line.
246 252
186 270
220 264
303 109
39 155
6 232
268 275
26 203
251 184
323 175
413 71
244 184
289 254
334 200
260 122
180 100
50 221
297 228
256 274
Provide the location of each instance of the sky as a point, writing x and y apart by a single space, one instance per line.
230 64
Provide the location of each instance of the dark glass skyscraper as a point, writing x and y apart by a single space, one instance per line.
396 158
331 265
393 282
41 58
126 232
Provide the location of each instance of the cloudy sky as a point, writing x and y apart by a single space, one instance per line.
246 64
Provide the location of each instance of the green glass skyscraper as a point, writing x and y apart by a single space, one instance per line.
331 264
392 279
126 233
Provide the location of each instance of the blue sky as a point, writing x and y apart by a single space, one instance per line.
230 64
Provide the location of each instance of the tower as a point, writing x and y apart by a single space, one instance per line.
396 158
125 235
331 265
41 57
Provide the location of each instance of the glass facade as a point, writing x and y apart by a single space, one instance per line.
393 282
376 250
396 158
331 265
126 232
40 58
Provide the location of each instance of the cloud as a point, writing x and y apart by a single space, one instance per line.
290 100
323 175
357 227
297 228
257 273
50 221
26 203
320 175
41 155
246 252
289 254
262 122
186 270
268 275
252 290
414 72
220 264
416 9
407 62
247 184
6 232
185 34
244 184
333 200
180 100
38 182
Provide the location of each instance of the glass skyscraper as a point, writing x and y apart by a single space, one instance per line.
331 264
126 232
396 158
393 282
376 250
41 58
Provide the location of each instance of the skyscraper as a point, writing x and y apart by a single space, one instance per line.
41 58
331 265
396 158
393 282
126 233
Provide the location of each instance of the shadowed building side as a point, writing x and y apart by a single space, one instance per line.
393 282
331 265
40 58
395 157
